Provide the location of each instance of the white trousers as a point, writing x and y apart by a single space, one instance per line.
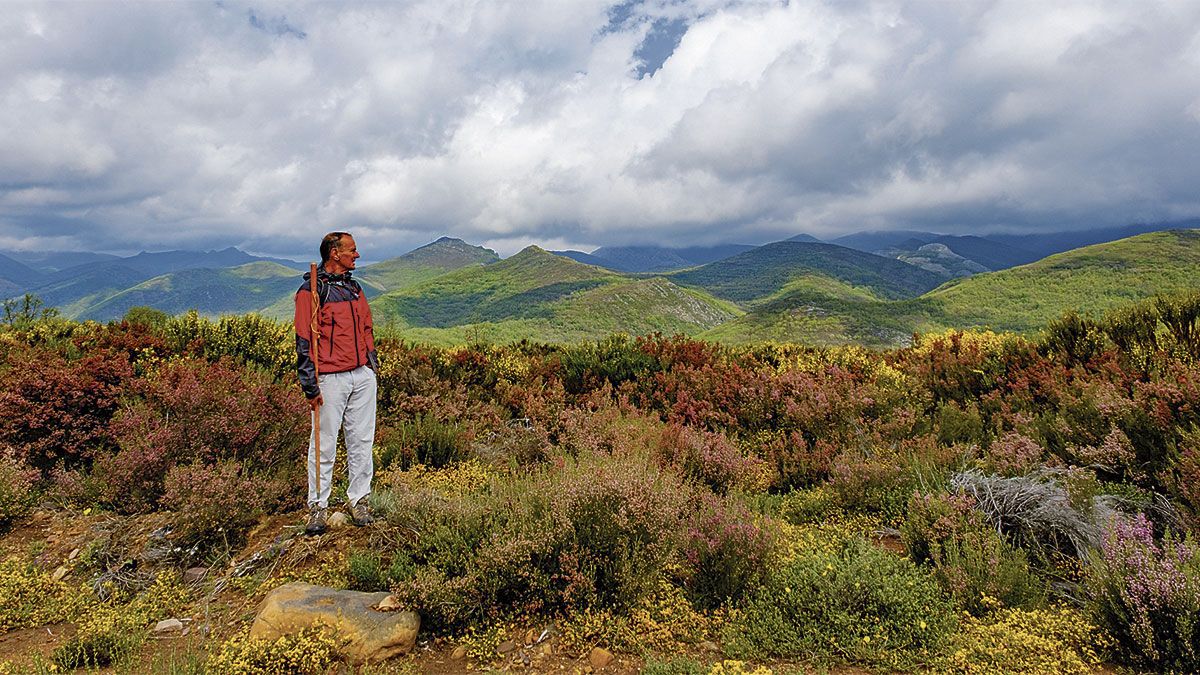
349 401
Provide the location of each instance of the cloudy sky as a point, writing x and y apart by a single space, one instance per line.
579 123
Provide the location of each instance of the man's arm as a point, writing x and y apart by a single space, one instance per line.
305 367
369 331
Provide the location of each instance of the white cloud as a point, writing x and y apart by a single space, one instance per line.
171 124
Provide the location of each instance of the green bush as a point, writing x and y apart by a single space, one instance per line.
423 440
364 572
858 604
972 562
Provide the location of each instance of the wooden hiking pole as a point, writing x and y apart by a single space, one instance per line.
313 351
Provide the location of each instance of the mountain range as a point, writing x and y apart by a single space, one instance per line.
869 288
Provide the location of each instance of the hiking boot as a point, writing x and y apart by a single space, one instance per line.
317 519
360 513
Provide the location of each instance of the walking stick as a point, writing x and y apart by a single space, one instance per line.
315 334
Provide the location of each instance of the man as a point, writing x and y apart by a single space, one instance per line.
343 393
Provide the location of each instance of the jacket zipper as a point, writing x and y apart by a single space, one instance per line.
354 317
332 332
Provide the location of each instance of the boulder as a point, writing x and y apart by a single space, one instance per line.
371 636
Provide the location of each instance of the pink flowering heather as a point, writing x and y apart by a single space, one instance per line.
1147 593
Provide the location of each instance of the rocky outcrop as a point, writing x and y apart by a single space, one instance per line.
371 635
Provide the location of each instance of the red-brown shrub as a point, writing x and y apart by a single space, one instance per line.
1013 455
712 459
195 411
56 411
211 503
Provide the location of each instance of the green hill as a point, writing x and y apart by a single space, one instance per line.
757 275
520 287
1089 280
211 292
542 296
429 261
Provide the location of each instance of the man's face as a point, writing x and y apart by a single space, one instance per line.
345 253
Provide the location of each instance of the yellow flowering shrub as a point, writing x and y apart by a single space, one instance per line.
1055 640
481 641
106 634
731 667
163 599
827 536
310 652
666 621
30 597
456 479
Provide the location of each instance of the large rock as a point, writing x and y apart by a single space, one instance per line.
372 635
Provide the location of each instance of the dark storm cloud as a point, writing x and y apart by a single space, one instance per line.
575 124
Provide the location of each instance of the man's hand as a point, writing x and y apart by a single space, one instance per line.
316 402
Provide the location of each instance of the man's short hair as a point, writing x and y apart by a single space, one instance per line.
330 242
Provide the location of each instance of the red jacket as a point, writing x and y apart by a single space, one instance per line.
346 330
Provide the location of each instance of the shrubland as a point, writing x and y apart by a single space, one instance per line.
951 505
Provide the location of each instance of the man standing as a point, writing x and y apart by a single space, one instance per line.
343 393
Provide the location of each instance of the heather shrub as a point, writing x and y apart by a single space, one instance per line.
1052 640
797 462
594 532
712 459
871 483
16 488
55 411
622 523
970 560
727 549
192 411
858 604
1146 595
1013 454
211 503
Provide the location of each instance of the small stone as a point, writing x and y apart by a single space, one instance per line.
73 554
709 646
388 604
168 626
460 653
60 573
338 520
507 647
194 575
600 657
548 649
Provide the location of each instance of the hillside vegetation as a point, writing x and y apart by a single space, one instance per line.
442 256
975 502
1023 299
540 296
761 273
256 284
